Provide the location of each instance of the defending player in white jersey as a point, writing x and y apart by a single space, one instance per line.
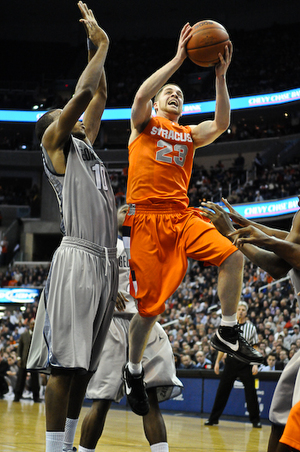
75 311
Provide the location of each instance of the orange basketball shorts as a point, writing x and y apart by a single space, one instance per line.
158 242
290 434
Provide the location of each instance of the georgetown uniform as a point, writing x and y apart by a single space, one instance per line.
158 361
81 289
160 231
287 391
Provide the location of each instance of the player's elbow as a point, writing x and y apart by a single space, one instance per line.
223 125
278 273
85 94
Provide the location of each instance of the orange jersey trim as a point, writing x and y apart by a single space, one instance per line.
160 163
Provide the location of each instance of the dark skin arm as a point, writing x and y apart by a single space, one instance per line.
95 109
242 221
274 255
67 120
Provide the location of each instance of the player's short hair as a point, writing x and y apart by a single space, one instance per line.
160 90
243 303
43 123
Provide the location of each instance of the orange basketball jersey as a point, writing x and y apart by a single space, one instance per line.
160 164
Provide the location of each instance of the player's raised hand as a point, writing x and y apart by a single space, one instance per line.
218 216
249 234
95 33
234 215
222 66
183 39
121 302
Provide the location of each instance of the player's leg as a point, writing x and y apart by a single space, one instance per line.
205 243
154 425
290 437
93 424
230 280
77 392
56 402
157 268
133 375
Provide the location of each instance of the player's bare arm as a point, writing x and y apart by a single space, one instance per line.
218 216
207 131
288 249
95 109
59 131
242 221
275 265
142 105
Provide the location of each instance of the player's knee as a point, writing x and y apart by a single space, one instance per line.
235 259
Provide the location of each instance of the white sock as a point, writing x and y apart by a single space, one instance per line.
70 429
83 449
54 441
228 320
135 369
160 447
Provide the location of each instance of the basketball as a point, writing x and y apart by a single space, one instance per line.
209 38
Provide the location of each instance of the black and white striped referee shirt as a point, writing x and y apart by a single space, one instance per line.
249 332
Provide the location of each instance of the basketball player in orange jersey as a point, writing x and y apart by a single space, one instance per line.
160 232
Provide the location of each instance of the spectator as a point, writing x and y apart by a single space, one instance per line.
202 361
296 334
187 363
271 359
23 350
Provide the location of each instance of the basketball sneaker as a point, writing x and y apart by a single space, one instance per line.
231 341
135 391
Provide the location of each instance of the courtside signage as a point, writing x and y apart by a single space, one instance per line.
267 209
18 295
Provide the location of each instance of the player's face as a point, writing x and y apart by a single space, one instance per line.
170 100
121 216
78 131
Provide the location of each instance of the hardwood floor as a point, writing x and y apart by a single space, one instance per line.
22 429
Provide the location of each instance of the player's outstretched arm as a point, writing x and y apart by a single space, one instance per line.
59 131
95 109
142 104
242 221
287 250
274 264
207 131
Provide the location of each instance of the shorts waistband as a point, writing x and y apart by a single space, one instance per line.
86 245
156 208
125 316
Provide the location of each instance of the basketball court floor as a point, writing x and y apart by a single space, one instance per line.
22 429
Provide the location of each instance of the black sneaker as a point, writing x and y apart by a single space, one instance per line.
208 422
231 341
135 391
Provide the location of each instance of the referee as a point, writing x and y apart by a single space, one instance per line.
234 369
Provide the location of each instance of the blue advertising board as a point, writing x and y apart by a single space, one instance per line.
18 295
195 108
236 405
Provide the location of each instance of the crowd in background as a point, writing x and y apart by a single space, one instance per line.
236 184
191 317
